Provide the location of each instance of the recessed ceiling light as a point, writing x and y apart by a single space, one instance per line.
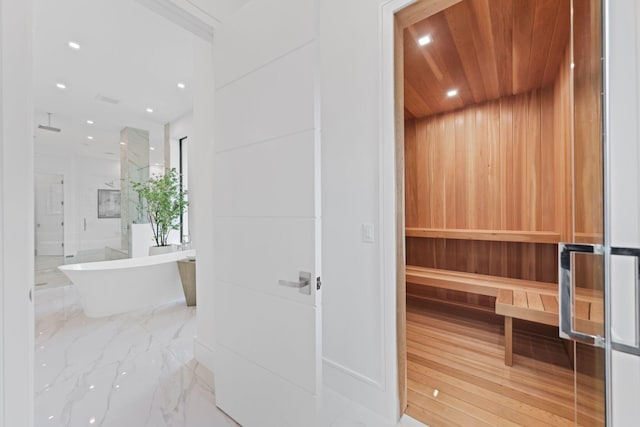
149 110
61 85
181 85
74 45
158 164
452 93
89 137
89 122
151 148
123 143
422 41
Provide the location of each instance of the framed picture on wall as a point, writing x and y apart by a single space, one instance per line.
108 203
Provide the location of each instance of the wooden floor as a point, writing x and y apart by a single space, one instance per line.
457 375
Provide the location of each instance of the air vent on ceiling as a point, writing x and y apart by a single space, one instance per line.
109 153
107 99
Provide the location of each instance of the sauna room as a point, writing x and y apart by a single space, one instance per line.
502 166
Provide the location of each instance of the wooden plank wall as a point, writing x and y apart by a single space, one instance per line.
528 261
587 145
563 128
588 122
500 165
487 166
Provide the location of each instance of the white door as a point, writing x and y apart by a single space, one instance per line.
267 215
49 213
623 213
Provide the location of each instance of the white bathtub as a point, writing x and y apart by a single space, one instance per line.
112 287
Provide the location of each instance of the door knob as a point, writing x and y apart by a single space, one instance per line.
303 283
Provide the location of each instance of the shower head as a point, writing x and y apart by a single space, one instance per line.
49 127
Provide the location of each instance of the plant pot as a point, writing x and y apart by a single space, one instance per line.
157 250
187 269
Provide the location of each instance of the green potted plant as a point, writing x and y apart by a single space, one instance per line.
162 202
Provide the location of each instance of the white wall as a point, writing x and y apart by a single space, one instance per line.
201 152
358 353
623 213
16 213
358 361
83 176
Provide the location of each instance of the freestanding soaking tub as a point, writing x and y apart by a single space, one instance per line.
112 287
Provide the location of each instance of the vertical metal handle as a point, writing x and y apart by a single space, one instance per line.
565 293
85 224
625 348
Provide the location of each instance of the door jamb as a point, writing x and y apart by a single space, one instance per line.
397 15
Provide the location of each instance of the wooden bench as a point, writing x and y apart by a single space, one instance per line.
501 288
515 298
542 307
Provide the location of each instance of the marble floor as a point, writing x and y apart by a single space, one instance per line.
137 369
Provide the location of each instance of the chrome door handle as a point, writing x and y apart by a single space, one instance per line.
303 283
565 292
625 348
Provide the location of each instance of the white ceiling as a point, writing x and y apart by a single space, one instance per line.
127 53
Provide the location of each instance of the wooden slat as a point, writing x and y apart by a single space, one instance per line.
473 283
489 235
519 307
534 301
596 312
520 299
550 303
581 309
505 297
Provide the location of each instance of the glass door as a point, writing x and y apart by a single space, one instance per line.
582 262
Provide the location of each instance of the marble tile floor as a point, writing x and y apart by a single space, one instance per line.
130 370
136 369
46 272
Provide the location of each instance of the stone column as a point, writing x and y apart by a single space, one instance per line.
134 167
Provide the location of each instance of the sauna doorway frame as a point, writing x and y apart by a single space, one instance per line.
392 188
392 166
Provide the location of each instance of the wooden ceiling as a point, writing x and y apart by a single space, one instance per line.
486 49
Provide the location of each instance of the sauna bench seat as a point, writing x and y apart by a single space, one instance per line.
506 290
515 298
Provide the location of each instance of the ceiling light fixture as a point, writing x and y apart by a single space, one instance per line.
181 85
61 86
74 45
89 122
422 41
452 93
151 148
123 143
89 137
149 110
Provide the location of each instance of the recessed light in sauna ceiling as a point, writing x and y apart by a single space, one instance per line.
425 40
452 93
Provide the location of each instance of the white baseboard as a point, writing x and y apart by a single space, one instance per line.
203 354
